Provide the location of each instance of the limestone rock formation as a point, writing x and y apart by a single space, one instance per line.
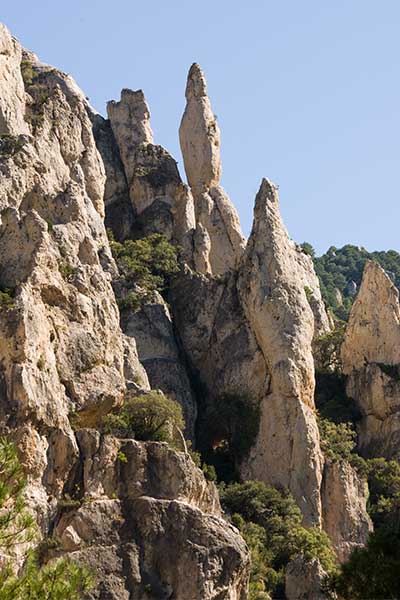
130 122
65 360
344 507
152 329
12 92
160 202
61 348
271 288
127 504
304 580
219 242
371 359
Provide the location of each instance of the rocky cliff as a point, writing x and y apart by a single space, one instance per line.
371 358
63 353
239 320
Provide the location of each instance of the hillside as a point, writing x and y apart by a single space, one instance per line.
340 272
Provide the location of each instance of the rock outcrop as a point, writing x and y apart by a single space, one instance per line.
304 580
218 240
271 288
65 360
61 349
371 359
152 329
344 508
148 520
160 202
12 91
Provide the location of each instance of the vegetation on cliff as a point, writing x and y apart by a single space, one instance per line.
271 523
340 271
60 579
149 416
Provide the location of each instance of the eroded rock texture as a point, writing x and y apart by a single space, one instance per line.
218 240
239 319
151 526
344 506
371 359
64 357
271 288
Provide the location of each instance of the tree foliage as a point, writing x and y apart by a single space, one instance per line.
149 262
271 523
338 267
372 572
149 416
60 579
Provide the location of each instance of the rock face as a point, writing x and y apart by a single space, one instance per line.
239 319
304 579
152 329
63 354
127 503
218 240
344 506
371 359
61 348
271 288
12 92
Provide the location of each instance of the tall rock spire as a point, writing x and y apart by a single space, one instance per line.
271 288
130 122
218 241
199 135
371 359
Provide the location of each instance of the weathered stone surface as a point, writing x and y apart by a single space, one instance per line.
304 579
373 332
271 288
152 548
159 201
152 328
149 521
199 135
12 92
344 507
371 359
150 469
61 347
120 213
130 122
218 240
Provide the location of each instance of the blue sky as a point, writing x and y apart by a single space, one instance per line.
306 92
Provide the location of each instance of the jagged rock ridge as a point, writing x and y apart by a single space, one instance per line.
242 318
63 352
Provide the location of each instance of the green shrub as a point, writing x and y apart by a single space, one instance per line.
337 440
121 456
6 299
209 472
149 416
67 271
372 572
271 524
327 350
384 488
59 580
27 72
149 262
131 302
